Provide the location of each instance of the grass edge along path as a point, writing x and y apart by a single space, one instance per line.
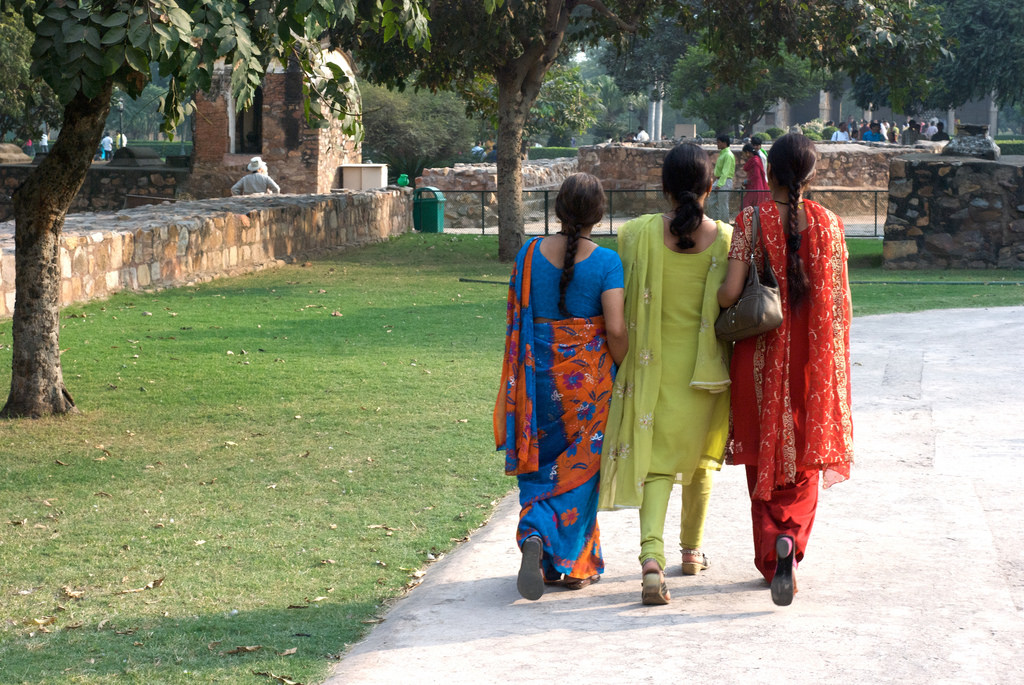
263 462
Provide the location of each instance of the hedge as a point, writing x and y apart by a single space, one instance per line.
164 148
1011 147
775 132
551 152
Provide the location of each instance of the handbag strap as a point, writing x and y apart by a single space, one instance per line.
755 231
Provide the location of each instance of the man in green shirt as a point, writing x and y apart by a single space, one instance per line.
725 171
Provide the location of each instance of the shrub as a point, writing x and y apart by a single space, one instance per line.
1011 147
826 133
812 134
709 134
551 152
774 132
763 137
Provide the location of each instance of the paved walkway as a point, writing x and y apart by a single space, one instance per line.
914 575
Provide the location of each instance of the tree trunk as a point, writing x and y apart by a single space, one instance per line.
40 205
511 120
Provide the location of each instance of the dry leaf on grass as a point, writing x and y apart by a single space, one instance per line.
72 594
148 586
278 678
244 650
288 652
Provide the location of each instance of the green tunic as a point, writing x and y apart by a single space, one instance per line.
670 410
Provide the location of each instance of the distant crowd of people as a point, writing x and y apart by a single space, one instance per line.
881 131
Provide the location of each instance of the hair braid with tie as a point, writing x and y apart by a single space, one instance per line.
578 206
791 160
686 175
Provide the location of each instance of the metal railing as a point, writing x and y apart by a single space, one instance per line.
863 211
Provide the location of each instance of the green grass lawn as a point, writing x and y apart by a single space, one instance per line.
263 462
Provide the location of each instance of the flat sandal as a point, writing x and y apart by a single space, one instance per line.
655 590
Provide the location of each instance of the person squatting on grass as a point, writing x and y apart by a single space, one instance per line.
791 421
669 418
565 329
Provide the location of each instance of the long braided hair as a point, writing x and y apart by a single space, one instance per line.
791 160
686 175
579 205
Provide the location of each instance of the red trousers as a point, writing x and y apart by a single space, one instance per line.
790 511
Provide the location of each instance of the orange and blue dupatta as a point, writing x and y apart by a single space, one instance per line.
549 419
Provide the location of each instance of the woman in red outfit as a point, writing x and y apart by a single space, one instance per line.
755 188
791 417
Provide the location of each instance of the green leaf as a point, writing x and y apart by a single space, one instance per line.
113 58
115 19
92 36
113 35
136 60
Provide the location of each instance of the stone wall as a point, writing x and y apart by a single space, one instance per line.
463 209
537 175
840 165
174 244
105 186
955 212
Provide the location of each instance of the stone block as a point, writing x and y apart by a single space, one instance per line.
112 281
9 303
143 274
900 188
898 249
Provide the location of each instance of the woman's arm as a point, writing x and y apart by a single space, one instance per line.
732 287
613 304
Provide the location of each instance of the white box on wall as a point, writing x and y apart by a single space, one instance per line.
363 176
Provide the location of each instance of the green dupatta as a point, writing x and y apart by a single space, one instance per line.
626 453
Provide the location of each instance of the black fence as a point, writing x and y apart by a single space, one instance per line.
863 211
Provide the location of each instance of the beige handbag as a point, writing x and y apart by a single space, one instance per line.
759 308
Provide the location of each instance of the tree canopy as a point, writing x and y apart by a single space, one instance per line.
696 91
84 48
986 41
27 104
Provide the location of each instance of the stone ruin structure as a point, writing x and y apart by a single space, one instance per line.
961 209
302 159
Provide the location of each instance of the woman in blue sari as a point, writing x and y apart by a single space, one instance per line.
565 331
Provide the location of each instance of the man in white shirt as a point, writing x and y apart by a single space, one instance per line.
257 182
106 145
641 135
930 130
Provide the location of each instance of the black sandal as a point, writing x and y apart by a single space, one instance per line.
580 583
783 585
530 582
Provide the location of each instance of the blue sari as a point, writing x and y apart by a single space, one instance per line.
550 419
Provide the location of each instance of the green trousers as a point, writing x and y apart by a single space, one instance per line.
657 490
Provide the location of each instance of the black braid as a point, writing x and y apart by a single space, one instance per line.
572 241
796 275
689 215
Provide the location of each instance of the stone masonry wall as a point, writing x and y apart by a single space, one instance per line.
174 244
463 209
843 165
105 186
955 212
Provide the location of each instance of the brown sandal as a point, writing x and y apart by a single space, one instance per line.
655 590
571 583
691 568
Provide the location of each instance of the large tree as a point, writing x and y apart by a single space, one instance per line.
521 39
986 40
515 45
82 50
694 90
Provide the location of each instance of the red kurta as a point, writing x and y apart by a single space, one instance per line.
791 386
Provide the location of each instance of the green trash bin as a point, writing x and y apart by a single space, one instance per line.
428 212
